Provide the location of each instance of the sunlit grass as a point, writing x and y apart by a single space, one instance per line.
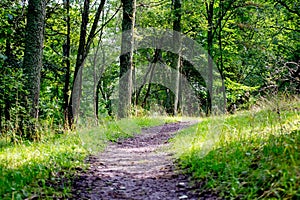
33 169
45 169
96 138
250 155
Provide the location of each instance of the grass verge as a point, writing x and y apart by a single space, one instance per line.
40 169
44 170
250 155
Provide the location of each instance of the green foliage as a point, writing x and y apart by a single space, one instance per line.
239 94
255 155
154 13
255 46
11 106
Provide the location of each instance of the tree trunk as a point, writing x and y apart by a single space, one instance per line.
210 15
139 90
66 53
156 58
149 87
77 82
83 49
176 62
126 58
153 61
7 102
96 101
96 88
221 68
97 76
33 55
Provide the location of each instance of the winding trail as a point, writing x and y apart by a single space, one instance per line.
136 168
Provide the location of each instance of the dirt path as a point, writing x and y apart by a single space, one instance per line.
135 168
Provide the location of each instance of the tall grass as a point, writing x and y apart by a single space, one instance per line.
44 169
40 169
250 155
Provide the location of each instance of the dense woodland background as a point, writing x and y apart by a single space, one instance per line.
254 44
64 63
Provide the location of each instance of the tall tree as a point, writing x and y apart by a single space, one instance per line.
66 54
210 17
33 56
126 58
176 62
85 42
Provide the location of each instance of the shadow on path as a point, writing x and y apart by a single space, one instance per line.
136 168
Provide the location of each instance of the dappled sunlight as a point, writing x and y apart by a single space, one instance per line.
33 165
255 156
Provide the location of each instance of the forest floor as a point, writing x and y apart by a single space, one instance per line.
137 168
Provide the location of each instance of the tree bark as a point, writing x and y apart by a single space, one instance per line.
221 68
126 58
77 81
33 56
83 49
177 47
66 54
156 58
97 76
158 52
210 16
7 102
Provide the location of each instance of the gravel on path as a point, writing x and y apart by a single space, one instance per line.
137 168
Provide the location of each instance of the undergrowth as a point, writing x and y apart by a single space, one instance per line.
44 170
250 155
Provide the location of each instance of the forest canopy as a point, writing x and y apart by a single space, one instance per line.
45 45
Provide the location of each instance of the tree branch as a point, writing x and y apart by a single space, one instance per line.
288 8
103 25
95 24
